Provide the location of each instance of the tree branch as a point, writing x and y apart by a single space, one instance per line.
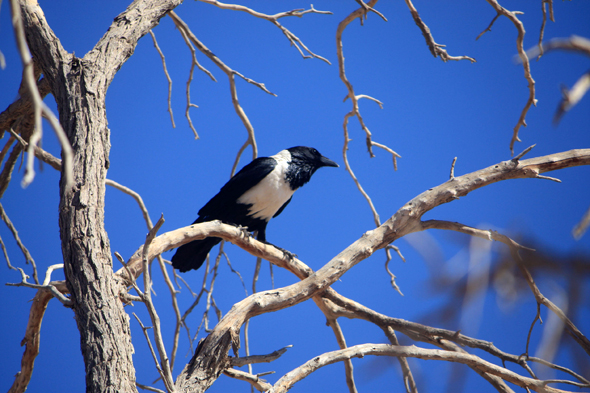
525 63
289 379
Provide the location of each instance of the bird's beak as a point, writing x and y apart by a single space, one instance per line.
327 162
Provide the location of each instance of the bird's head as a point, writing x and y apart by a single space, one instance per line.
310 156
303 164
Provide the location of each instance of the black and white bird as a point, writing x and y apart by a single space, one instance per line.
258 192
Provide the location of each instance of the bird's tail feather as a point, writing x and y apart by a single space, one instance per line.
193 254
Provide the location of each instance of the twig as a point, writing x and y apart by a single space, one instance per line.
31 340
436 49
582 226
489 28
572 97
26 253
181 25
293 39
167 76
194 63
148 388
573 331
544 8
523 153
289 379
348 367
48 287
40 108
258 383
149 342
164 366
526 65
355 110
452 176
271 357
407 372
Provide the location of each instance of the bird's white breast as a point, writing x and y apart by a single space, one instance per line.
270 193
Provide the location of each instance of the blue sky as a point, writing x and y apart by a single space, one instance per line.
433 112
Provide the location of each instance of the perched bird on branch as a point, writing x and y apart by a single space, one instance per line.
258 192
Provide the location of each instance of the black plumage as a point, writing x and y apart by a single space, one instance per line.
258 192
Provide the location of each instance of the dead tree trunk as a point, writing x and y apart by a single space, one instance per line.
79 86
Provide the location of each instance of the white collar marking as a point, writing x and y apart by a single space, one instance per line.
272 192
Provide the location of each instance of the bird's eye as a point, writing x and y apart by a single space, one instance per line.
314 151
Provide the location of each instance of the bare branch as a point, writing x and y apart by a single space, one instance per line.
190 79
359 13
289 379
436 49
148 388
483 234
582 226
167 77
573 331
293 39
575 94
271 357
511 15
258 383
209 358
489 28
572 97
181 25
544 7
26 253
348 367
452 175
40 108
31 340
164 366
49 287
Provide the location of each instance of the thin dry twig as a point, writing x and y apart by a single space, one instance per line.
436 49
40 108
582 226
32 340
148 388
181 25
48 287
511 15
542 33
289 379
194 63
348 367
167 76
271 357
574 95
274 19
163 365
572 330
355 112
255 380
452 175
25 251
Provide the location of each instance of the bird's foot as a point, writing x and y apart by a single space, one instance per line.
290 256
244 231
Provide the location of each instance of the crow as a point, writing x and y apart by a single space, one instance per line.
258 192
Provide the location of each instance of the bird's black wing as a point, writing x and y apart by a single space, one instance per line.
221 204
282 207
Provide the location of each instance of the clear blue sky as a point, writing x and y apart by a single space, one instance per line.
433 112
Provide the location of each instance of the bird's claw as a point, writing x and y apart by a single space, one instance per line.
289 254
244 231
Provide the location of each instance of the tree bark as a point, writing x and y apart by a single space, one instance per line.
79 86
